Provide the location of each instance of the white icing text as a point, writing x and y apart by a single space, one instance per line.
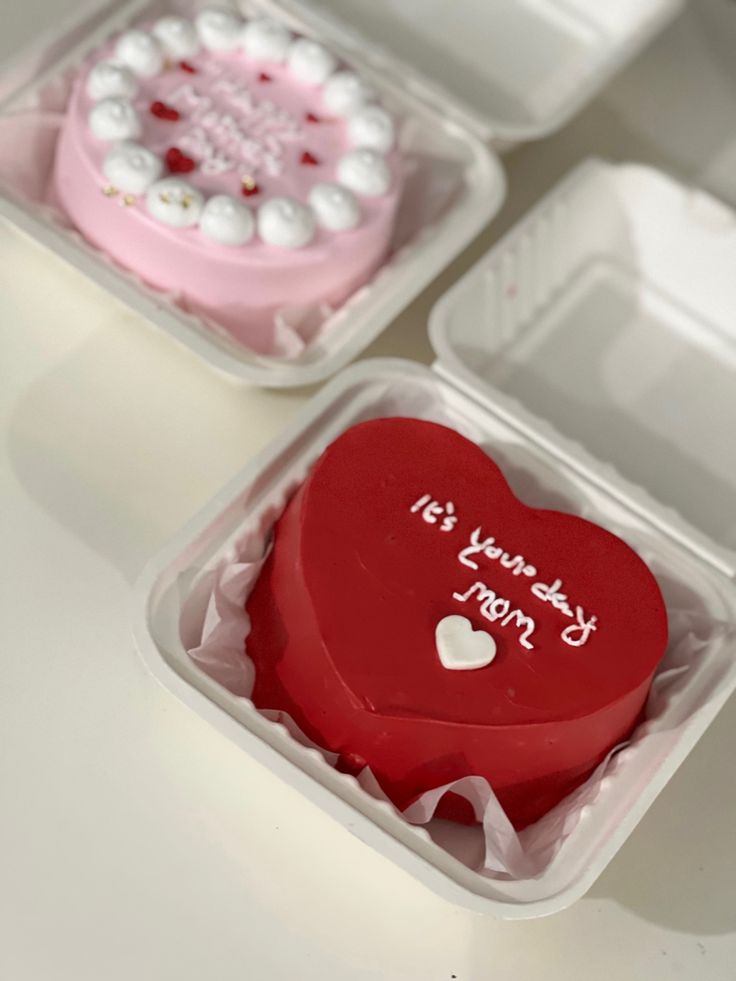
231 128
516 564
432 511
578 633
495 608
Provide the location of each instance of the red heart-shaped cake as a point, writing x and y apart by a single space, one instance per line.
401 525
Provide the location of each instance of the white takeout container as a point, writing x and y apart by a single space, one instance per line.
594 350
499 72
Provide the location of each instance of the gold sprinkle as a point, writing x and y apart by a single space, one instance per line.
187 200
248 182
164 196
128 200
109 191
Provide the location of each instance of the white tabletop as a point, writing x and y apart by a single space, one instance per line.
138 843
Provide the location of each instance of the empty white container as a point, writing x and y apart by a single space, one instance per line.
510 70
593 352
504 71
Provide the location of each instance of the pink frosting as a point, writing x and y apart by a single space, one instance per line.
222 106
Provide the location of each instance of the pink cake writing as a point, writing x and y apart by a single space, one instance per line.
228 127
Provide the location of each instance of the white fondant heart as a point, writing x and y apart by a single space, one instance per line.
460 647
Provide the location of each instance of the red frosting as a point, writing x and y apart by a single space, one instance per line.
367 561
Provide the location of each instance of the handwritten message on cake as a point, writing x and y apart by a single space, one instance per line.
229 127
482 550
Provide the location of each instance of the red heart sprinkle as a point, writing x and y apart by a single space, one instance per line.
311 118
161 111
309 159
263 77
177 162
248 190
186 67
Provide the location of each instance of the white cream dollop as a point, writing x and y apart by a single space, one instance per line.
335 206
310 62
372 127
219 29
227 220
141 52
109 80
115 119
286 223
345 93
266 40
131 168
177 36
365 172
174 202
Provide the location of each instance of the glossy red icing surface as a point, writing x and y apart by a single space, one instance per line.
345 611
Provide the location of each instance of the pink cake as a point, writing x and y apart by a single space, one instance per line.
231 164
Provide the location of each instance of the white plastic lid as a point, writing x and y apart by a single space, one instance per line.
604 324
514 69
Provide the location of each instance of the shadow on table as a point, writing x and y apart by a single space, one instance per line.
128 436
677 869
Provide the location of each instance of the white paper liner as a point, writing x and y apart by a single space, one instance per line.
28 139
214 626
